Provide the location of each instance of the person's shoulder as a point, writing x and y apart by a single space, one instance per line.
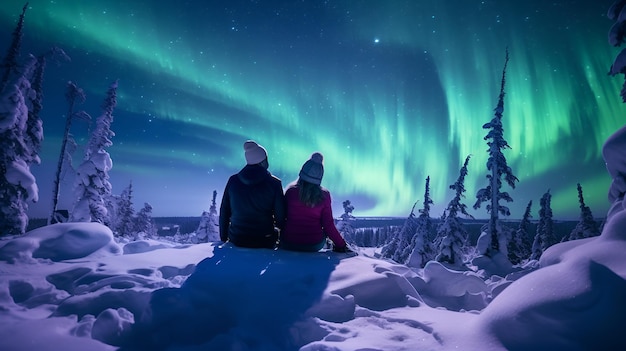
233 178
326 193
291 190
275 179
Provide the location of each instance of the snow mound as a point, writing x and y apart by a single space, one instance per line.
575 301
61 241
220 297
141 246
454 290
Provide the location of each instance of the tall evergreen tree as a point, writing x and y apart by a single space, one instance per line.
213 232
586 227
405 238
544 238
17 151
74 95
519 245
421 248
34 125
497 165
208 229
422 244
124 224
393 248
456 207
17 184
405 246
21 132
202 232
10 66
451 231
617 36
416 242
425 210
92 184
344 225
144 223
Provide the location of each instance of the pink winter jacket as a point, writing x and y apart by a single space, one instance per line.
309 225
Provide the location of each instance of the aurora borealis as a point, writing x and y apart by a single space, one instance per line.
389 91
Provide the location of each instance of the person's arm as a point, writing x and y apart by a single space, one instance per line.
280 211
328 224
225 213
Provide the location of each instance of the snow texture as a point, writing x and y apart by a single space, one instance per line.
71 287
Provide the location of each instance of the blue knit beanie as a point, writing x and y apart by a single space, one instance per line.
313 170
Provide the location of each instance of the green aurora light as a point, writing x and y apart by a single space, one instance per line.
301 77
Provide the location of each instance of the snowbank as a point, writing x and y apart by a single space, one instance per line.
61 241
69 287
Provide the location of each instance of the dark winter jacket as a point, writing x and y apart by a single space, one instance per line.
309 225
252 206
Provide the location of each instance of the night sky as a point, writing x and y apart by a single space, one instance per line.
389 91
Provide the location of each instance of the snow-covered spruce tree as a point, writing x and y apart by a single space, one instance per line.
34 125
544 238
405 238
519 245
452 233
344 225
144 223
422 248
17 184
213 230
617 36
10 66
400 238
202 232
125 214
586 227
111 203
208 229
92 182
74 95
498 167
17 153
425 211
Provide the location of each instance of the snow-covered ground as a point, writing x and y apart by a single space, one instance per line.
72 287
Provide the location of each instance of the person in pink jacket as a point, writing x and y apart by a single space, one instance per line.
309 214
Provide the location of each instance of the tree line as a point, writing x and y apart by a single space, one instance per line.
419 240
21 135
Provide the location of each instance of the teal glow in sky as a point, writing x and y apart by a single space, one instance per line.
389 91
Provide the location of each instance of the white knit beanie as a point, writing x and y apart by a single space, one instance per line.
313 170
254 152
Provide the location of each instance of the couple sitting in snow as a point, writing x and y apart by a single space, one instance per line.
255 212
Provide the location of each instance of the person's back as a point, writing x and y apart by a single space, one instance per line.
309 212
253 203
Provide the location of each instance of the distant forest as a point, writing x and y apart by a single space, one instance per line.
168 225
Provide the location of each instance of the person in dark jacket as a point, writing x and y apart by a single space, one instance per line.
253 206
